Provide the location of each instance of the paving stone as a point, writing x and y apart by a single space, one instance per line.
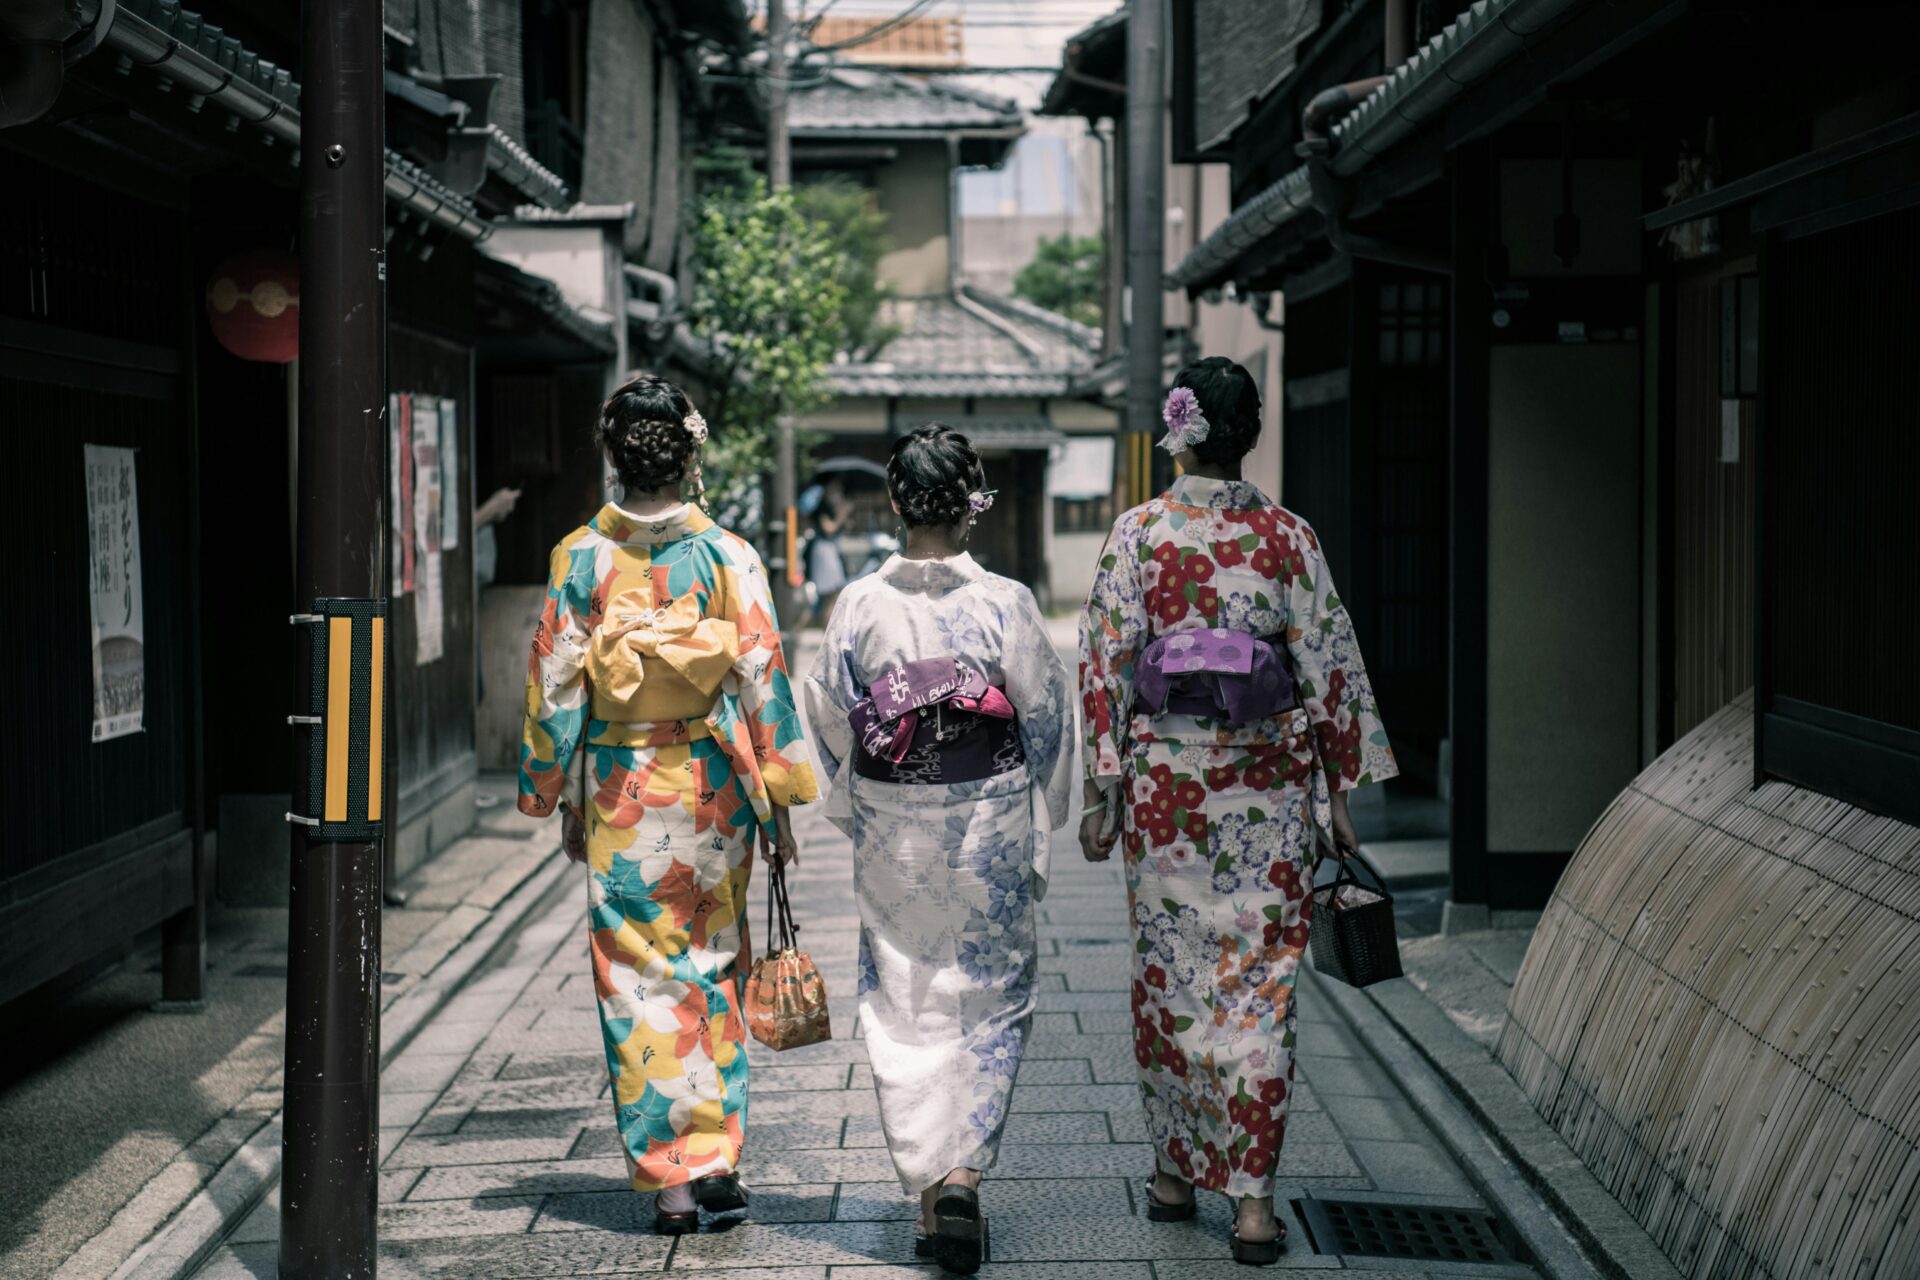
403 1110
494 1216
396 1184
461 1182
1383 1119
860 1076
1055 1071
242 1261
1082 1126
783 1078
1289 1268
1060 1045
1316 1160
830 1244
1055 1024
1083 1001
1089 975
456 1149
1409 1166
1346 1076
1099 1097
774 1107
1113 1022
534 1122
415 1072
572 1253
552 1066
863 1164
1022 1238
1074 1161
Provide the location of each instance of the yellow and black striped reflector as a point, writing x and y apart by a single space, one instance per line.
348 772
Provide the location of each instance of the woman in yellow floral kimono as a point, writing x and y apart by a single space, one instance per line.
658 648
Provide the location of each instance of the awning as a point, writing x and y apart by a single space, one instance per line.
1468 50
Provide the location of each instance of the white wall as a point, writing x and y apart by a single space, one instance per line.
1563 590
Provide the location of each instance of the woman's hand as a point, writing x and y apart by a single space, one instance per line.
781 850
573 835
1096 843
1346 842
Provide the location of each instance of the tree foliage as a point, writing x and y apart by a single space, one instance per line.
1065 277
768 301
858 228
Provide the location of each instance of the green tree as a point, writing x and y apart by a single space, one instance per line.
768 299
858 228
1064 277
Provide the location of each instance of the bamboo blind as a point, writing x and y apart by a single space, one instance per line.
1718 1012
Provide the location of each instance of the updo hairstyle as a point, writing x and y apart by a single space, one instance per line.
643 429
1231 401
931 472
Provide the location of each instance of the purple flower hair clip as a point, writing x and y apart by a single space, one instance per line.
1186 425
979 503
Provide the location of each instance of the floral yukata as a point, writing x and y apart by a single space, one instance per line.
1219 821
659 651
946 875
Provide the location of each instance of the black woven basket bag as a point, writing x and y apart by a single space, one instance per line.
1355 944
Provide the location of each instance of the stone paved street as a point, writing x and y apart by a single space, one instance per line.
500 1155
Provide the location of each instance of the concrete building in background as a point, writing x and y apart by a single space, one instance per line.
992 366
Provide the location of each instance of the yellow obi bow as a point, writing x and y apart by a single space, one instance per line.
700 650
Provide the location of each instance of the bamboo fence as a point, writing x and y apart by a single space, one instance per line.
1718 1011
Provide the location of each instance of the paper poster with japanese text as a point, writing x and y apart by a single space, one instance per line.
429 612
113 571
449 473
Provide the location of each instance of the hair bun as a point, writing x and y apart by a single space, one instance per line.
642 428
930 474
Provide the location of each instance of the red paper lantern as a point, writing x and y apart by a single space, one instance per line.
253 304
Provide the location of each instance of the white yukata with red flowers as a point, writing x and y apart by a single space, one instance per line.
1220 821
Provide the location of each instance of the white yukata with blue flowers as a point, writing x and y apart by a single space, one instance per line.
946 875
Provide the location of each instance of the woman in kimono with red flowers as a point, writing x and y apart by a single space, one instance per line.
1219 805
659 655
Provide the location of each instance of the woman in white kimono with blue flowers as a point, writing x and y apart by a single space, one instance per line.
944 717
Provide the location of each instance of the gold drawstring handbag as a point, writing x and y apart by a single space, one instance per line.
786 999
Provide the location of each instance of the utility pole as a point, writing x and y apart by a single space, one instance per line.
1146 226
331 1117
786 592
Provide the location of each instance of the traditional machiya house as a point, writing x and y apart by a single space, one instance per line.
148 347
1600 385
995 367
1091 86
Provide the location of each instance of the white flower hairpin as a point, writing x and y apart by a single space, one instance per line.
1186 425
979 503
696 426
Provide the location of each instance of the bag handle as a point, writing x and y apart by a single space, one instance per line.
1346 876
783 933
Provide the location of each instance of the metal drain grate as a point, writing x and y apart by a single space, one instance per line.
1426 1233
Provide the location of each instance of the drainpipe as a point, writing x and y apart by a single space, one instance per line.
1316 145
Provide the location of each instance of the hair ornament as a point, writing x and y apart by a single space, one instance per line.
980 503
696 426
1186 425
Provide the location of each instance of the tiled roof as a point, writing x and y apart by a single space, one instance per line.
1467 50
971 344
857 102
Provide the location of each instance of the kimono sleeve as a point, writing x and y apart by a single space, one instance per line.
832 692
557 696
1042 694
765 688
1111 634
1330 677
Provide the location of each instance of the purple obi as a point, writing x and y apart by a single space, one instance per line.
1213 673
934 721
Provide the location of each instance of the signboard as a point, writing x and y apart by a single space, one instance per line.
113 571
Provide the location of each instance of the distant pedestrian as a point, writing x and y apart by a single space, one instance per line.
826 566
659 651
944 716
1228 713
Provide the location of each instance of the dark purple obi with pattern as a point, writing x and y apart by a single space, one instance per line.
1216 674
934 721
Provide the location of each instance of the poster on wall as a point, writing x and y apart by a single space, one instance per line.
449 474
429 614
113 557
401 405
